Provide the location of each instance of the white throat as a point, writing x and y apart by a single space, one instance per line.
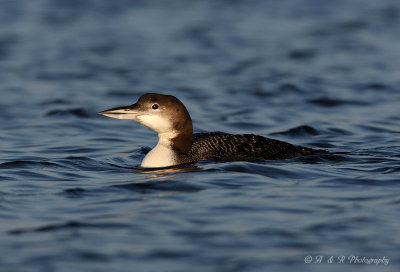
162 155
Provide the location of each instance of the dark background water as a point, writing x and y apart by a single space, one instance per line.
322 74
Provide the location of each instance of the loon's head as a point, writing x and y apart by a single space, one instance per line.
164 114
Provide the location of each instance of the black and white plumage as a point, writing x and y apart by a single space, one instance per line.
225 146
178 145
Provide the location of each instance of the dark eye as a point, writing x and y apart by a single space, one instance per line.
155 106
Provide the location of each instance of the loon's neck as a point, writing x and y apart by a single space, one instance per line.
170 147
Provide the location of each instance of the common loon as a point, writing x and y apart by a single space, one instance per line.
177 145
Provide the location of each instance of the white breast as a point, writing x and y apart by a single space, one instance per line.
159 156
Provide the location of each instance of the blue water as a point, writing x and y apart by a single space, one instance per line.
323 74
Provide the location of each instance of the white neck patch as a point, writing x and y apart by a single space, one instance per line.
160 156
155 122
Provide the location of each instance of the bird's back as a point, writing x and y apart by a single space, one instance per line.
224 146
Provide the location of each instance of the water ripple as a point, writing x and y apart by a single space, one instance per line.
68 225
76 112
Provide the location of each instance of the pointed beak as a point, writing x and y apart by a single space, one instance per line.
127 112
